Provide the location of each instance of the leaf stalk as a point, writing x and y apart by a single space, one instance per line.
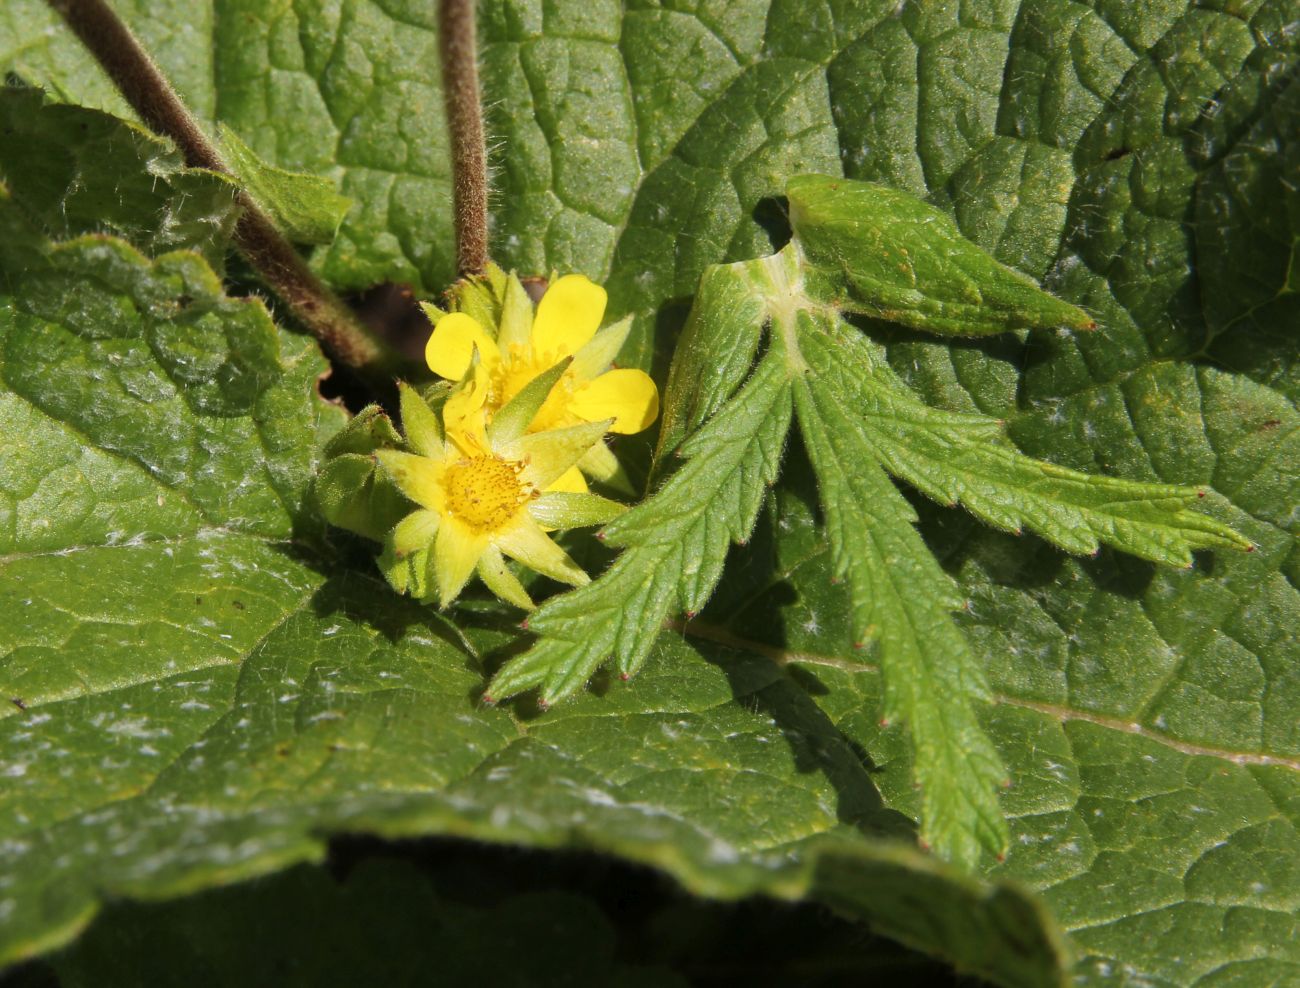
327 317
458 49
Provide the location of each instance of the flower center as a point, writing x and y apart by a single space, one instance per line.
485 492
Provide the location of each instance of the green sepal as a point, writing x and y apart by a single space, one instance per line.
496 575
516 314
884 253
370 429
570 509
421 425
353 495
481 297
512 420
408 574
348 490
414 532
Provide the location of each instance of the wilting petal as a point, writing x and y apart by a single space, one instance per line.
496 576
451 346
627 396
456 552
527 543
567 316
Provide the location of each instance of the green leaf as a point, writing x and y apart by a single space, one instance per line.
957 460
715 352
75 171
901 600
305 207
679 541
554 936
899 594
347 91
885 253
1079 143
558 923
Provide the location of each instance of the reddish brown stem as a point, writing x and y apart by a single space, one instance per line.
458 47
145 88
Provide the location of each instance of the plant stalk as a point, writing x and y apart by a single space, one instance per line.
128 65
458 48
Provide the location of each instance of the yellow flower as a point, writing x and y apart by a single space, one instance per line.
484 494
566 325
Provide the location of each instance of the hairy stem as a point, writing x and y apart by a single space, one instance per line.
459 50
145 88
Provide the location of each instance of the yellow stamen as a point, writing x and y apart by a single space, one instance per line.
517 370
485 492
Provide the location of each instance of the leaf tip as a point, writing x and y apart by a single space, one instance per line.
489 700
524 624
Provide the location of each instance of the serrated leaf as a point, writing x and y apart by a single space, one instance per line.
678 540
1067 139
74 171
902 601
196 699
954 461
714 353
305 207
885 253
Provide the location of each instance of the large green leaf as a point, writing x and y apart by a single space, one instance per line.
200 689
463 915
1133 156
346 90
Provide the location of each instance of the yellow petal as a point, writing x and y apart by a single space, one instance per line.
627 396
567 316
464 416
571 480
451 346
456 552
527 543
418 477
